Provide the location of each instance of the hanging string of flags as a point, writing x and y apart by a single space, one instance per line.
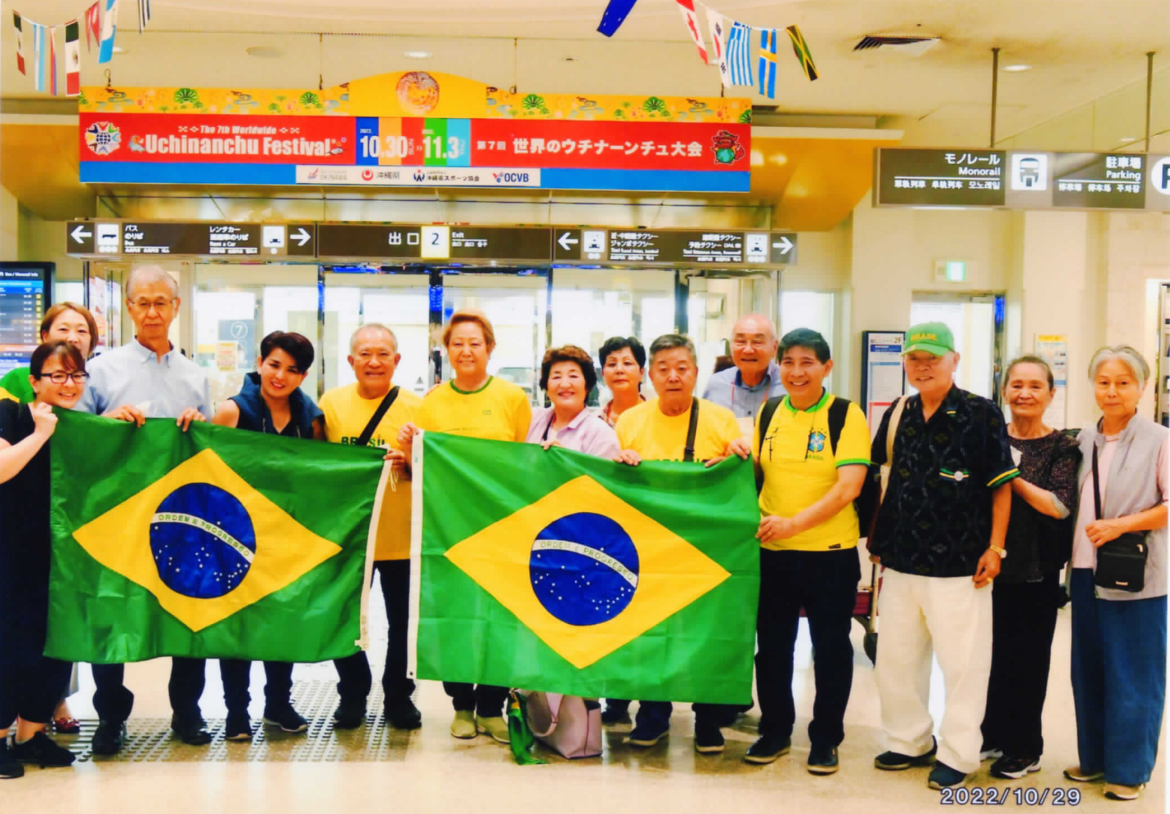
101 25
734 44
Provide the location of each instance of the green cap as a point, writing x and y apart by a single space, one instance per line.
932 337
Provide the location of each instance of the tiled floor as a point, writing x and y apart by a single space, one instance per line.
377 769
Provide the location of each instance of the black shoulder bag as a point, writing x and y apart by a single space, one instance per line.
689 451
1121 563
376 418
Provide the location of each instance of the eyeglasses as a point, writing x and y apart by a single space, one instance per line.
741 342
157 305
60 377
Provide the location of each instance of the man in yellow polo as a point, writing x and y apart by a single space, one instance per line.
350 413
813 456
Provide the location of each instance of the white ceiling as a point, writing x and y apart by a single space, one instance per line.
1081 50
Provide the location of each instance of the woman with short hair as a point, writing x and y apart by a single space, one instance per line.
473 404
31 684
63 322
567 376
1027 591
270 402
623 366
1119 637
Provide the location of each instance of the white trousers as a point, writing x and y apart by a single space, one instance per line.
948 616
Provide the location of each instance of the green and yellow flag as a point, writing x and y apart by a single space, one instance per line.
567 573
213 543
803 55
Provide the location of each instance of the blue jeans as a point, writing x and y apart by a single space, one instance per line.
1119 681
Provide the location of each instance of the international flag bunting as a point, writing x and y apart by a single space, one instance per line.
53 59
571 574
738 56
214 543
93 25
19 42
143 14
914 46
767 64
72 58
615 14
687 8
109 30
800 48
40 55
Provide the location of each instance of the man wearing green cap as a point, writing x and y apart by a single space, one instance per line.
940 535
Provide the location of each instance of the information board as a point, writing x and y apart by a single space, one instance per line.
144 238
939 177
24 297
883 379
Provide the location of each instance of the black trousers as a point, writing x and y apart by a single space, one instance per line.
1022 627
31 691
237 674
113 701
353 672
824 583
484 700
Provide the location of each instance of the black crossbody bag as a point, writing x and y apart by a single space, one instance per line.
1121 563
689 450
376 418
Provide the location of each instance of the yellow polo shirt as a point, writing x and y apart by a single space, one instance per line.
498 411
346 415
800 468
659 437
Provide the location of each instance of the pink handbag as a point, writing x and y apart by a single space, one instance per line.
563 723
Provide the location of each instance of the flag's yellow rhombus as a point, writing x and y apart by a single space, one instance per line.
204 542
586 571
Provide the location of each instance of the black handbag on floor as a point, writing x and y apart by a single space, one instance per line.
1121 563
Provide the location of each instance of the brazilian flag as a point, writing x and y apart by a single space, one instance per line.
216 543
567 573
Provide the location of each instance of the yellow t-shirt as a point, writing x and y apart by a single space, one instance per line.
800 468
346 415
646 430
498 411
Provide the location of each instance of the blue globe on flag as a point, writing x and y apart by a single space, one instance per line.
584 569
202 540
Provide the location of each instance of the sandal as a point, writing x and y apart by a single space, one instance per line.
67 725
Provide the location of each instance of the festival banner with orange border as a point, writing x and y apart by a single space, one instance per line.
452 131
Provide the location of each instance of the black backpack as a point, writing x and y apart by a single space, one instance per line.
867 502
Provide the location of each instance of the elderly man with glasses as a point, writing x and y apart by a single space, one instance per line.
148 378
755 376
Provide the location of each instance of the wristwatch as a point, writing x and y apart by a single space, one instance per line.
1002 554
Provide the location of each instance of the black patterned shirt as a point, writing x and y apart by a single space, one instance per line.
935 520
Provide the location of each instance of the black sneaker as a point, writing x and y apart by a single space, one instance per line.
990 753
108 737
10 767
644 736
403 714
767 749
287 718
191 731
896 761
41 749
349 716
615 713
1013 768
708 739
238 727
943 776
822 760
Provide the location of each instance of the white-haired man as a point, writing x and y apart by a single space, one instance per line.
148 378
755 378
372 411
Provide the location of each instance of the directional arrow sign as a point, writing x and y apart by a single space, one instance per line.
567 244
79 234
783 247
301 236
302 239
567 241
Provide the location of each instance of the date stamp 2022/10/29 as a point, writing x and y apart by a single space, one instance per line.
992 796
